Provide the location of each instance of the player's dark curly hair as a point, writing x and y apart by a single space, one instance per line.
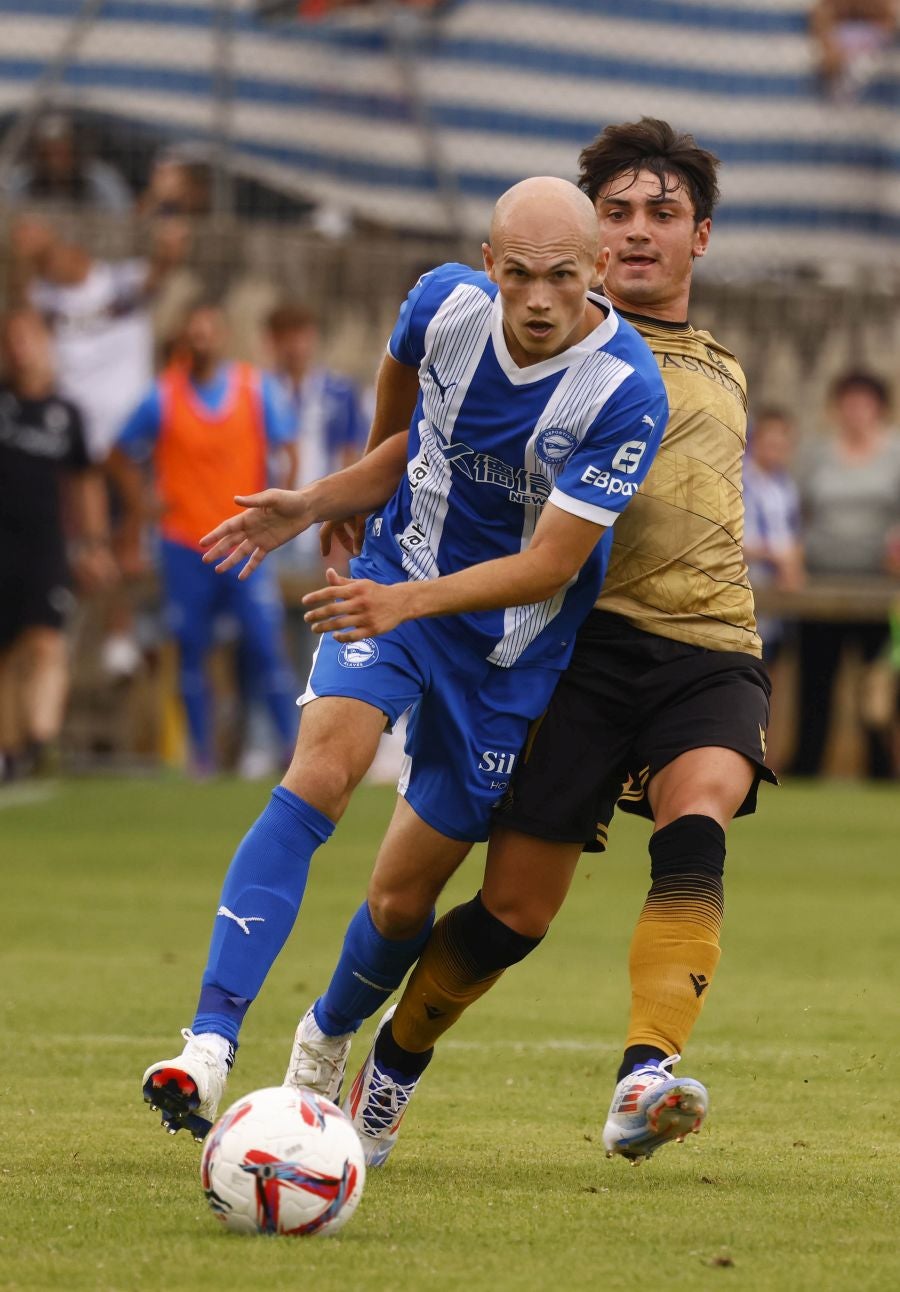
651 144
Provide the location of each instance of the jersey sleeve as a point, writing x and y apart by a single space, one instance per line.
605 470
281 427
141 430
407 343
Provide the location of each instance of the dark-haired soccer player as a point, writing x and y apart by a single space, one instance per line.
533 415
663 708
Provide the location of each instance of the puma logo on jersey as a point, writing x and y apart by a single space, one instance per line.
432 372
242 921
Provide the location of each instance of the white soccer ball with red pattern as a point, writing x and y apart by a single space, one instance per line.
283 1161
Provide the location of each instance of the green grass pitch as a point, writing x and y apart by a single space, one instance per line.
499 1181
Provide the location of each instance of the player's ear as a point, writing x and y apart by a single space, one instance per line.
601 264
487 256
701 237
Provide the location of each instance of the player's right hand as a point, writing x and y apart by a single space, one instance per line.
348 533
271 518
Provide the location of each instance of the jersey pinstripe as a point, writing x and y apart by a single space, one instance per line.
455 340
576 403
490 442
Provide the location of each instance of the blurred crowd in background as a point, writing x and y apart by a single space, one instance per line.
114 372
120 649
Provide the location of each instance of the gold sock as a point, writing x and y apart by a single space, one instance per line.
674 953
467 952
441 986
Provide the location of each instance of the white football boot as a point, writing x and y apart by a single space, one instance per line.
318 1061
187 1090
376 1104
651 1107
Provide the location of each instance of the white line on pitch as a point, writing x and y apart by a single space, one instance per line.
26 795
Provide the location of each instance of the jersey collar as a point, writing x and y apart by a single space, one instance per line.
668 325
601 334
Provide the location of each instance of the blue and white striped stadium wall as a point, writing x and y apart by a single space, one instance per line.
513 87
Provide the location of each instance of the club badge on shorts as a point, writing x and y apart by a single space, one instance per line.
358 654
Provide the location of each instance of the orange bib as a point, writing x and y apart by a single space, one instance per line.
204 458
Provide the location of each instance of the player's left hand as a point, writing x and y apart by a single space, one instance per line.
352 609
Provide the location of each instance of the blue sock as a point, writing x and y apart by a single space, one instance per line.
370 968
260 900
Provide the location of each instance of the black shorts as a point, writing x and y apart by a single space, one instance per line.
628 704
34 586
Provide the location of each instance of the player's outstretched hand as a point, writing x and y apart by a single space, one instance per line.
271 518
354 608
349 533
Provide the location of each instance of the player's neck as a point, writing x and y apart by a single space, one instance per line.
674 311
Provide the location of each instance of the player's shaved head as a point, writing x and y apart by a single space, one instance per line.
544 255
544 211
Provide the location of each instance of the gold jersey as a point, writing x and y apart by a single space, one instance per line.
677 567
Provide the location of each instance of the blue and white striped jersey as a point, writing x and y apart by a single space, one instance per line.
490 443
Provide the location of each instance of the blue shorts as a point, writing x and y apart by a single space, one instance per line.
468 719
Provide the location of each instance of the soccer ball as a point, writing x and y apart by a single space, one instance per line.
283 1161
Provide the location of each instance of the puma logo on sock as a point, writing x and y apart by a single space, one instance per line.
241 921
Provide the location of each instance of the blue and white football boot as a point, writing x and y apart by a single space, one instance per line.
376 1104
650 1107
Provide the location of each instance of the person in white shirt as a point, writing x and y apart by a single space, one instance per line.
772 547
331 428
98 314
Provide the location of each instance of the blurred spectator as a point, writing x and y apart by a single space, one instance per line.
850 499
60 170
772 547
206 427
851 38
180 184
46 473
97 311
329 433
329 427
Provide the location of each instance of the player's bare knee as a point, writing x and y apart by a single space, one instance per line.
529 919
715 787
324 776
398 913
715 797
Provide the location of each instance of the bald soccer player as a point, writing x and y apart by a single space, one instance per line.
534 413
662 710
